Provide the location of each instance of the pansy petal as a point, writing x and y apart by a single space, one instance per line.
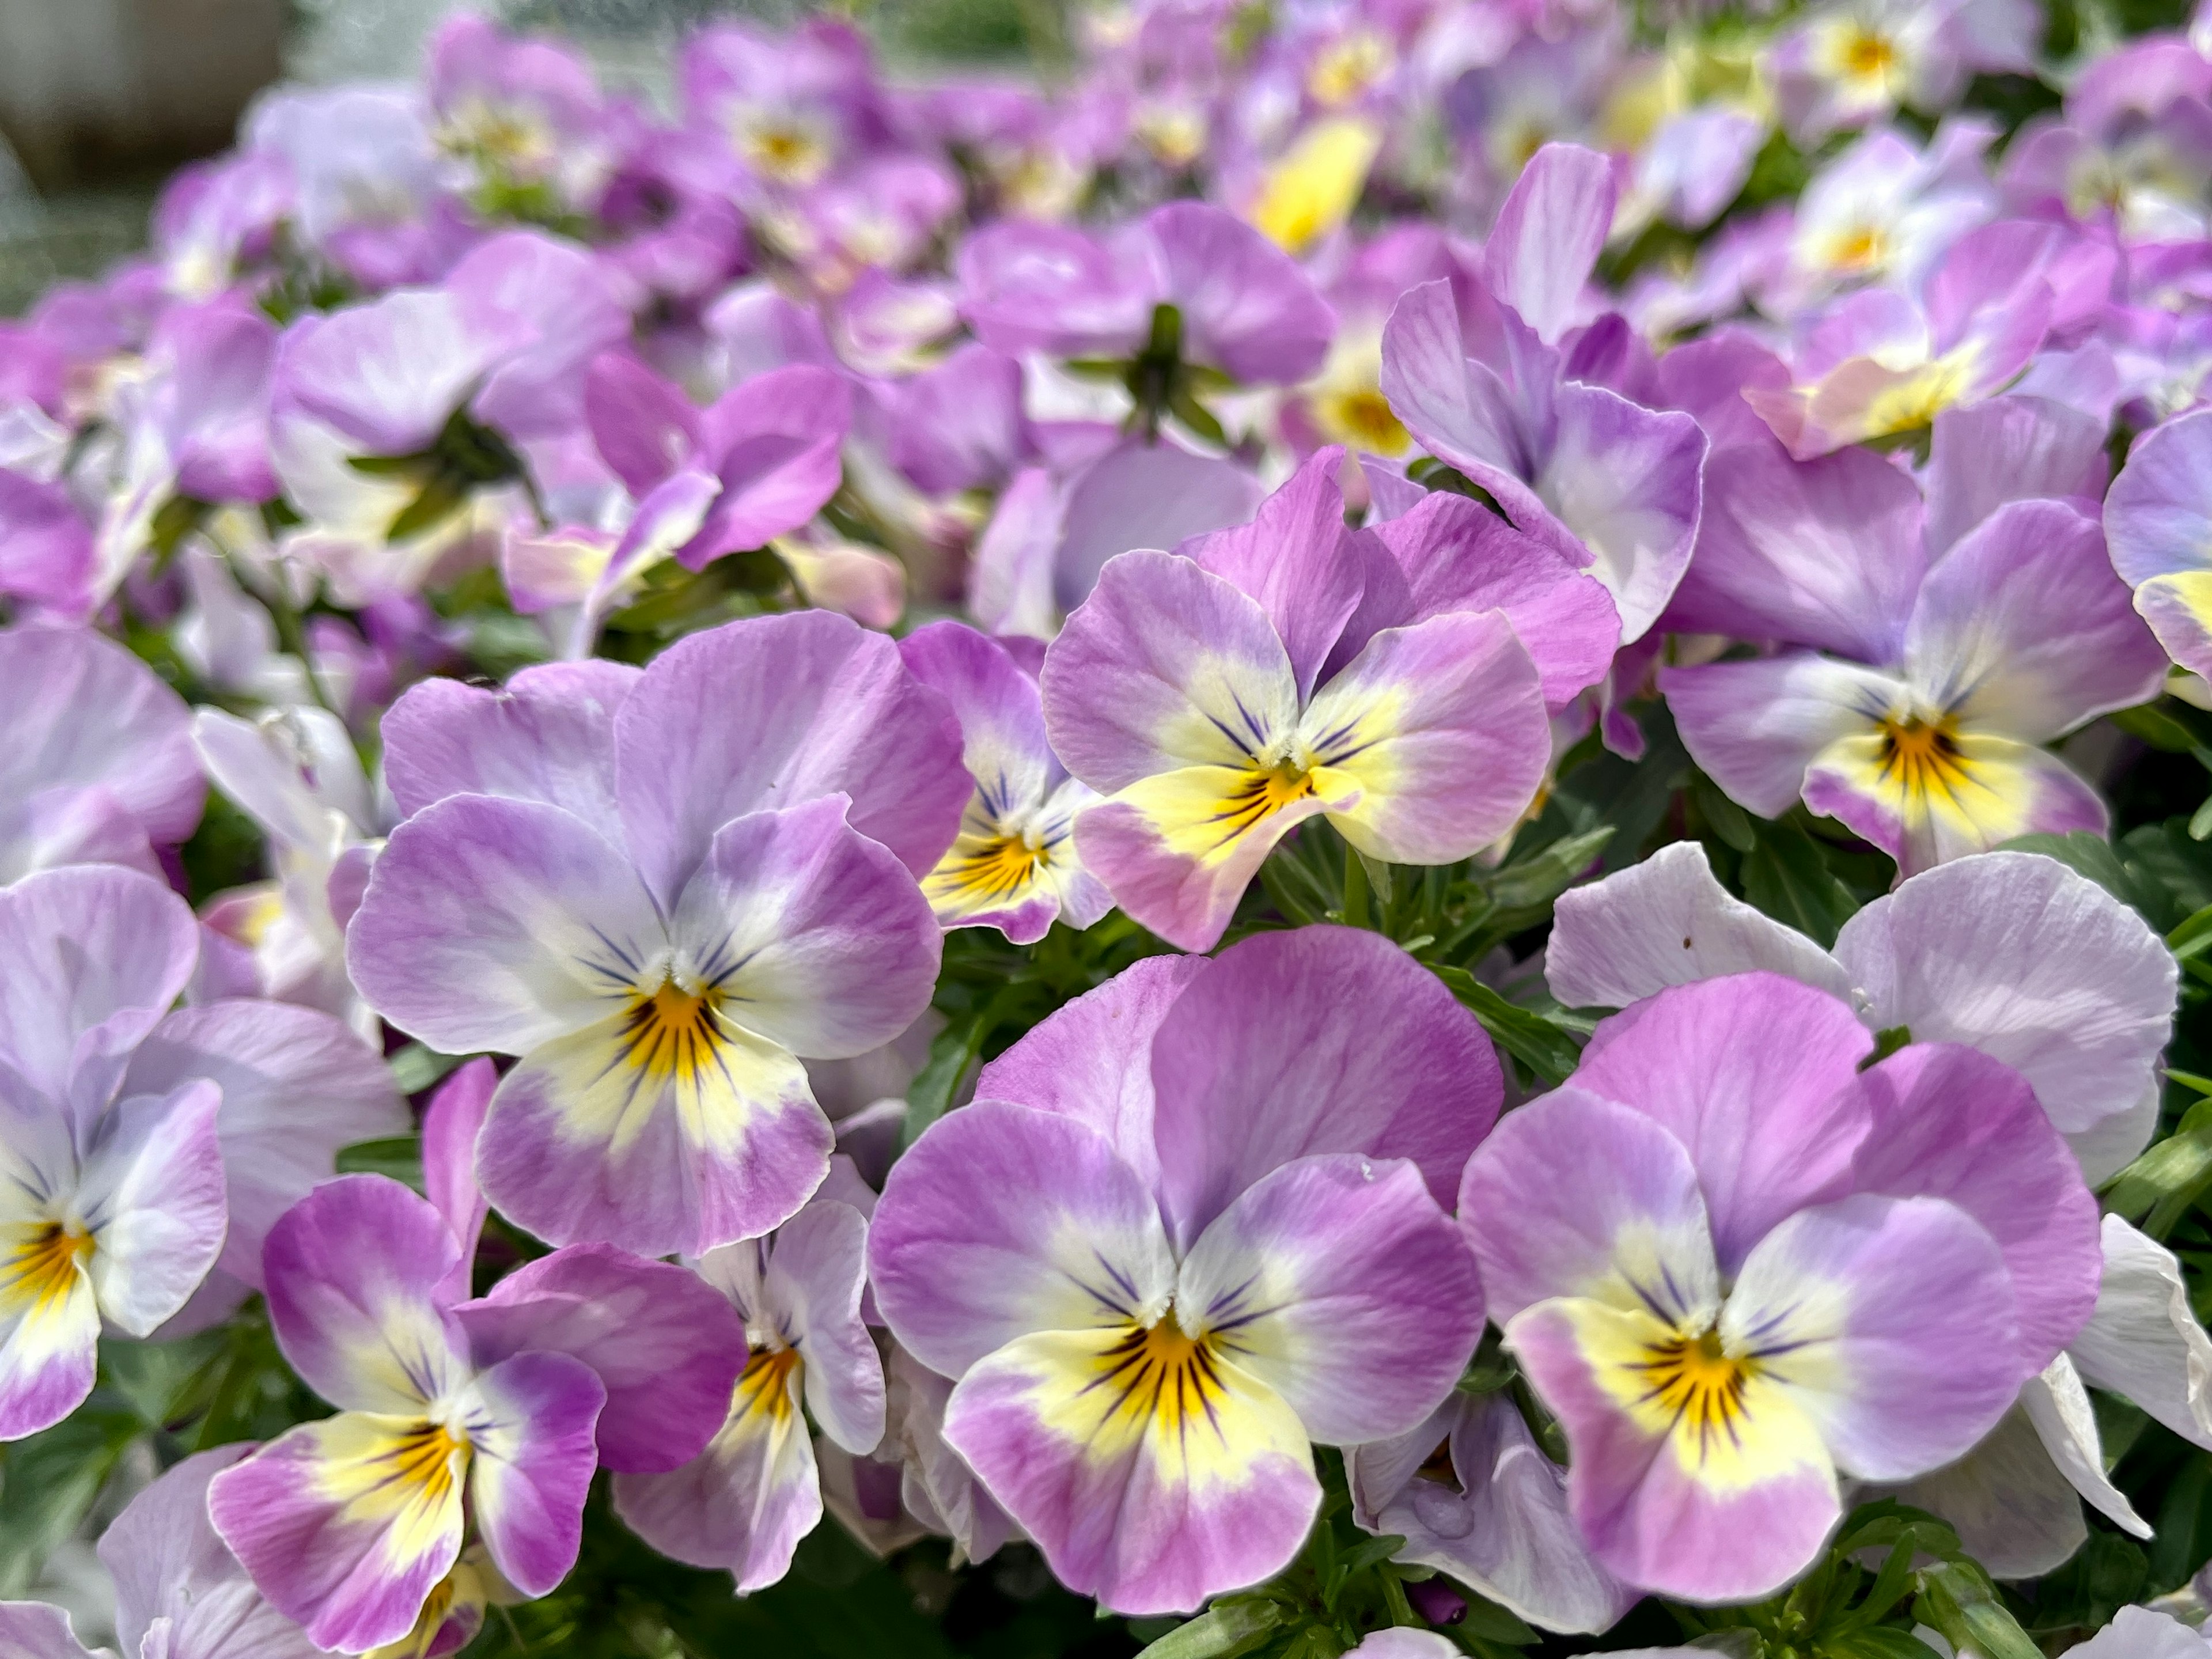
1316 1040
665 1347
1669 922
151 1193
1136 1492
2023 959
82 710
1748 1073
1091 1059
1002 717
297 1086
96 955
2012 1508
776 712
547 736
499 923
1981 792
742 1504
812 936
2179 609
1001 1220
530 1422
2159 511
450 1123
1548 235
347 1524
2058 1405
2007 449
2144 1341
49 1327
1890 1323
1165 665
33 1629
1630 1231
2024 630
1442 730
1338 1283
1291 558
1626 483
351 1271
1669 1504
1755 727
815 1279
1950 1123
667 1127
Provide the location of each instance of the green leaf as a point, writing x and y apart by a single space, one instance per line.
1728 821
399 1157
1543 876
1546 1049
1875 1642
2194 936
2156 727
48 1482
1887 1041
1229 1628
416 1066
2174 1170
935 1087
1785 876
442 497
1186 407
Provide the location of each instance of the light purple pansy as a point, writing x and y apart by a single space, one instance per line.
1969 630
661 890
99 767
149 1151
1014 865
454 1413
2011 953
1396 680
1190 1225
1478 374
1769 1266
1248 309
935 1485
744 1503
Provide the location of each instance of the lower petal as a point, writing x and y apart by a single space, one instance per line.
1150 1494
1755 727
346 1525
742 1504
531 1420
658 1131
1725 1507
2179 608
1927 797
49 1327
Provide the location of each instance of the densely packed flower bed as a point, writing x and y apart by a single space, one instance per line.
1376 827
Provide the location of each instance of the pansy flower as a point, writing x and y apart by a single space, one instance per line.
2159 520
1189 1227
1015 866
1396 680
744 1503
454 1413
1733 1263
662 890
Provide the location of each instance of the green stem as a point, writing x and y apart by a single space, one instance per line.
1355 909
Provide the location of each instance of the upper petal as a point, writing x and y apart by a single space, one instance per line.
1627 481
773 712
1548 235
2007 449
1315 1040
1669 922
547 736
1748 1073
2159 512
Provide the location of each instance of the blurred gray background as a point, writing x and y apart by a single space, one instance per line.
101 100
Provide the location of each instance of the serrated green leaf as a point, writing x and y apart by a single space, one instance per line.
1546 1049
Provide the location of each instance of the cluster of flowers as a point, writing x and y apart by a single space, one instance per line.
701 620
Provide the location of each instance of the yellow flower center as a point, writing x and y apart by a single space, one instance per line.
1864 248
766 1383
1264 790
1362 416
1922 756
672 1031
39 1262
421 1460
1346 69
1162 1373
1695 1381
1867 54
997 868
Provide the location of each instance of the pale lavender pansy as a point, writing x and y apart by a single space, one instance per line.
1396 680
936 1486
2011 953
1478 374
1475 1497
1247 307
2158 519
454 1415
1190 1225
1014 865
148 1150
744 1503
1931 744
99 767
661 890
1768 1267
